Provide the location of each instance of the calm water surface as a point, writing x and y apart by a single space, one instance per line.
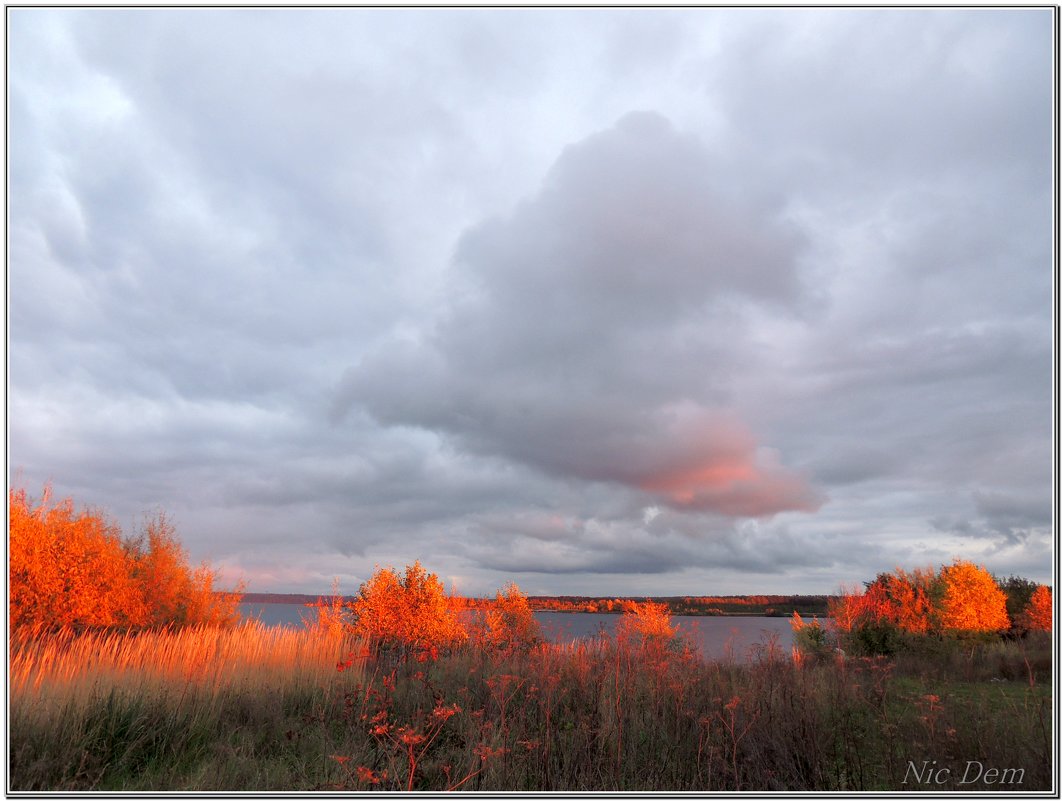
715 637
289 615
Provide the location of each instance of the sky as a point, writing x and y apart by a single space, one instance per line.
600 301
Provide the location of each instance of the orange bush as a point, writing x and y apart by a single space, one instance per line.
410 610
176 593
847 610
510 623
73 568
902 600
899 599
971 602
1037 614
809 639
648 621
67 568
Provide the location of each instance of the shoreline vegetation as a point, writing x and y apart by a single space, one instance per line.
935 679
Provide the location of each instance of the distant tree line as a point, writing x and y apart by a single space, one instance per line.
764 605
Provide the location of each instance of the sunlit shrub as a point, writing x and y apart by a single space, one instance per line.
74 568
648 624
865 623
846 611
1037 613
408 611
176 593
67 567
971 602
902 600
510 623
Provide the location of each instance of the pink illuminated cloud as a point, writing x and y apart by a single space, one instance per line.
710 461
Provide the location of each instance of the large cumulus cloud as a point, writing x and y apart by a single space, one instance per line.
828 276
591 332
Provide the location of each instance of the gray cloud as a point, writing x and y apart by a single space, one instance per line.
549 356
662 542
750 299
1006 518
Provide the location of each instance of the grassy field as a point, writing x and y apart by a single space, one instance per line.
262 709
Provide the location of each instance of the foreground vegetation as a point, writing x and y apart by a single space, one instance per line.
931 680
269 709
391 692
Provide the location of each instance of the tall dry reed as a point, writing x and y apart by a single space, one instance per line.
88 706
77 665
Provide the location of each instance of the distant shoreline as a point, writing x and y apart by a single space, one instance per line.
285 598
778 606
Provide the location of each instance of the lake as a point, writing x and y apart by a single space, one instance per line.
291 615
715 637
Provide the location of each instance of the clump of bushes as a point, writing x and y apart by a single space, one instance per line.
410 614
74 568
926 611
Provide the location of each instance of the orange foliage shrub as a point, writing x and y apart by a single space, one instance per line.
176 593
648 621
1037 614
73 568
67 568
510 624
901 599
410 610
971 602
847 610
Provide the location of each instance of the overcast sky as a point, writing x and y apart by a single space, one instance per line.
602 301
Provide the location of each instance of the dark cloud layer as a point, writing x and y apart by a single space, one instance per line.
654 300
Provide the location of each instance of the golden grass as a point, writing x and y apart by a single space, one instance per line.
52 671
